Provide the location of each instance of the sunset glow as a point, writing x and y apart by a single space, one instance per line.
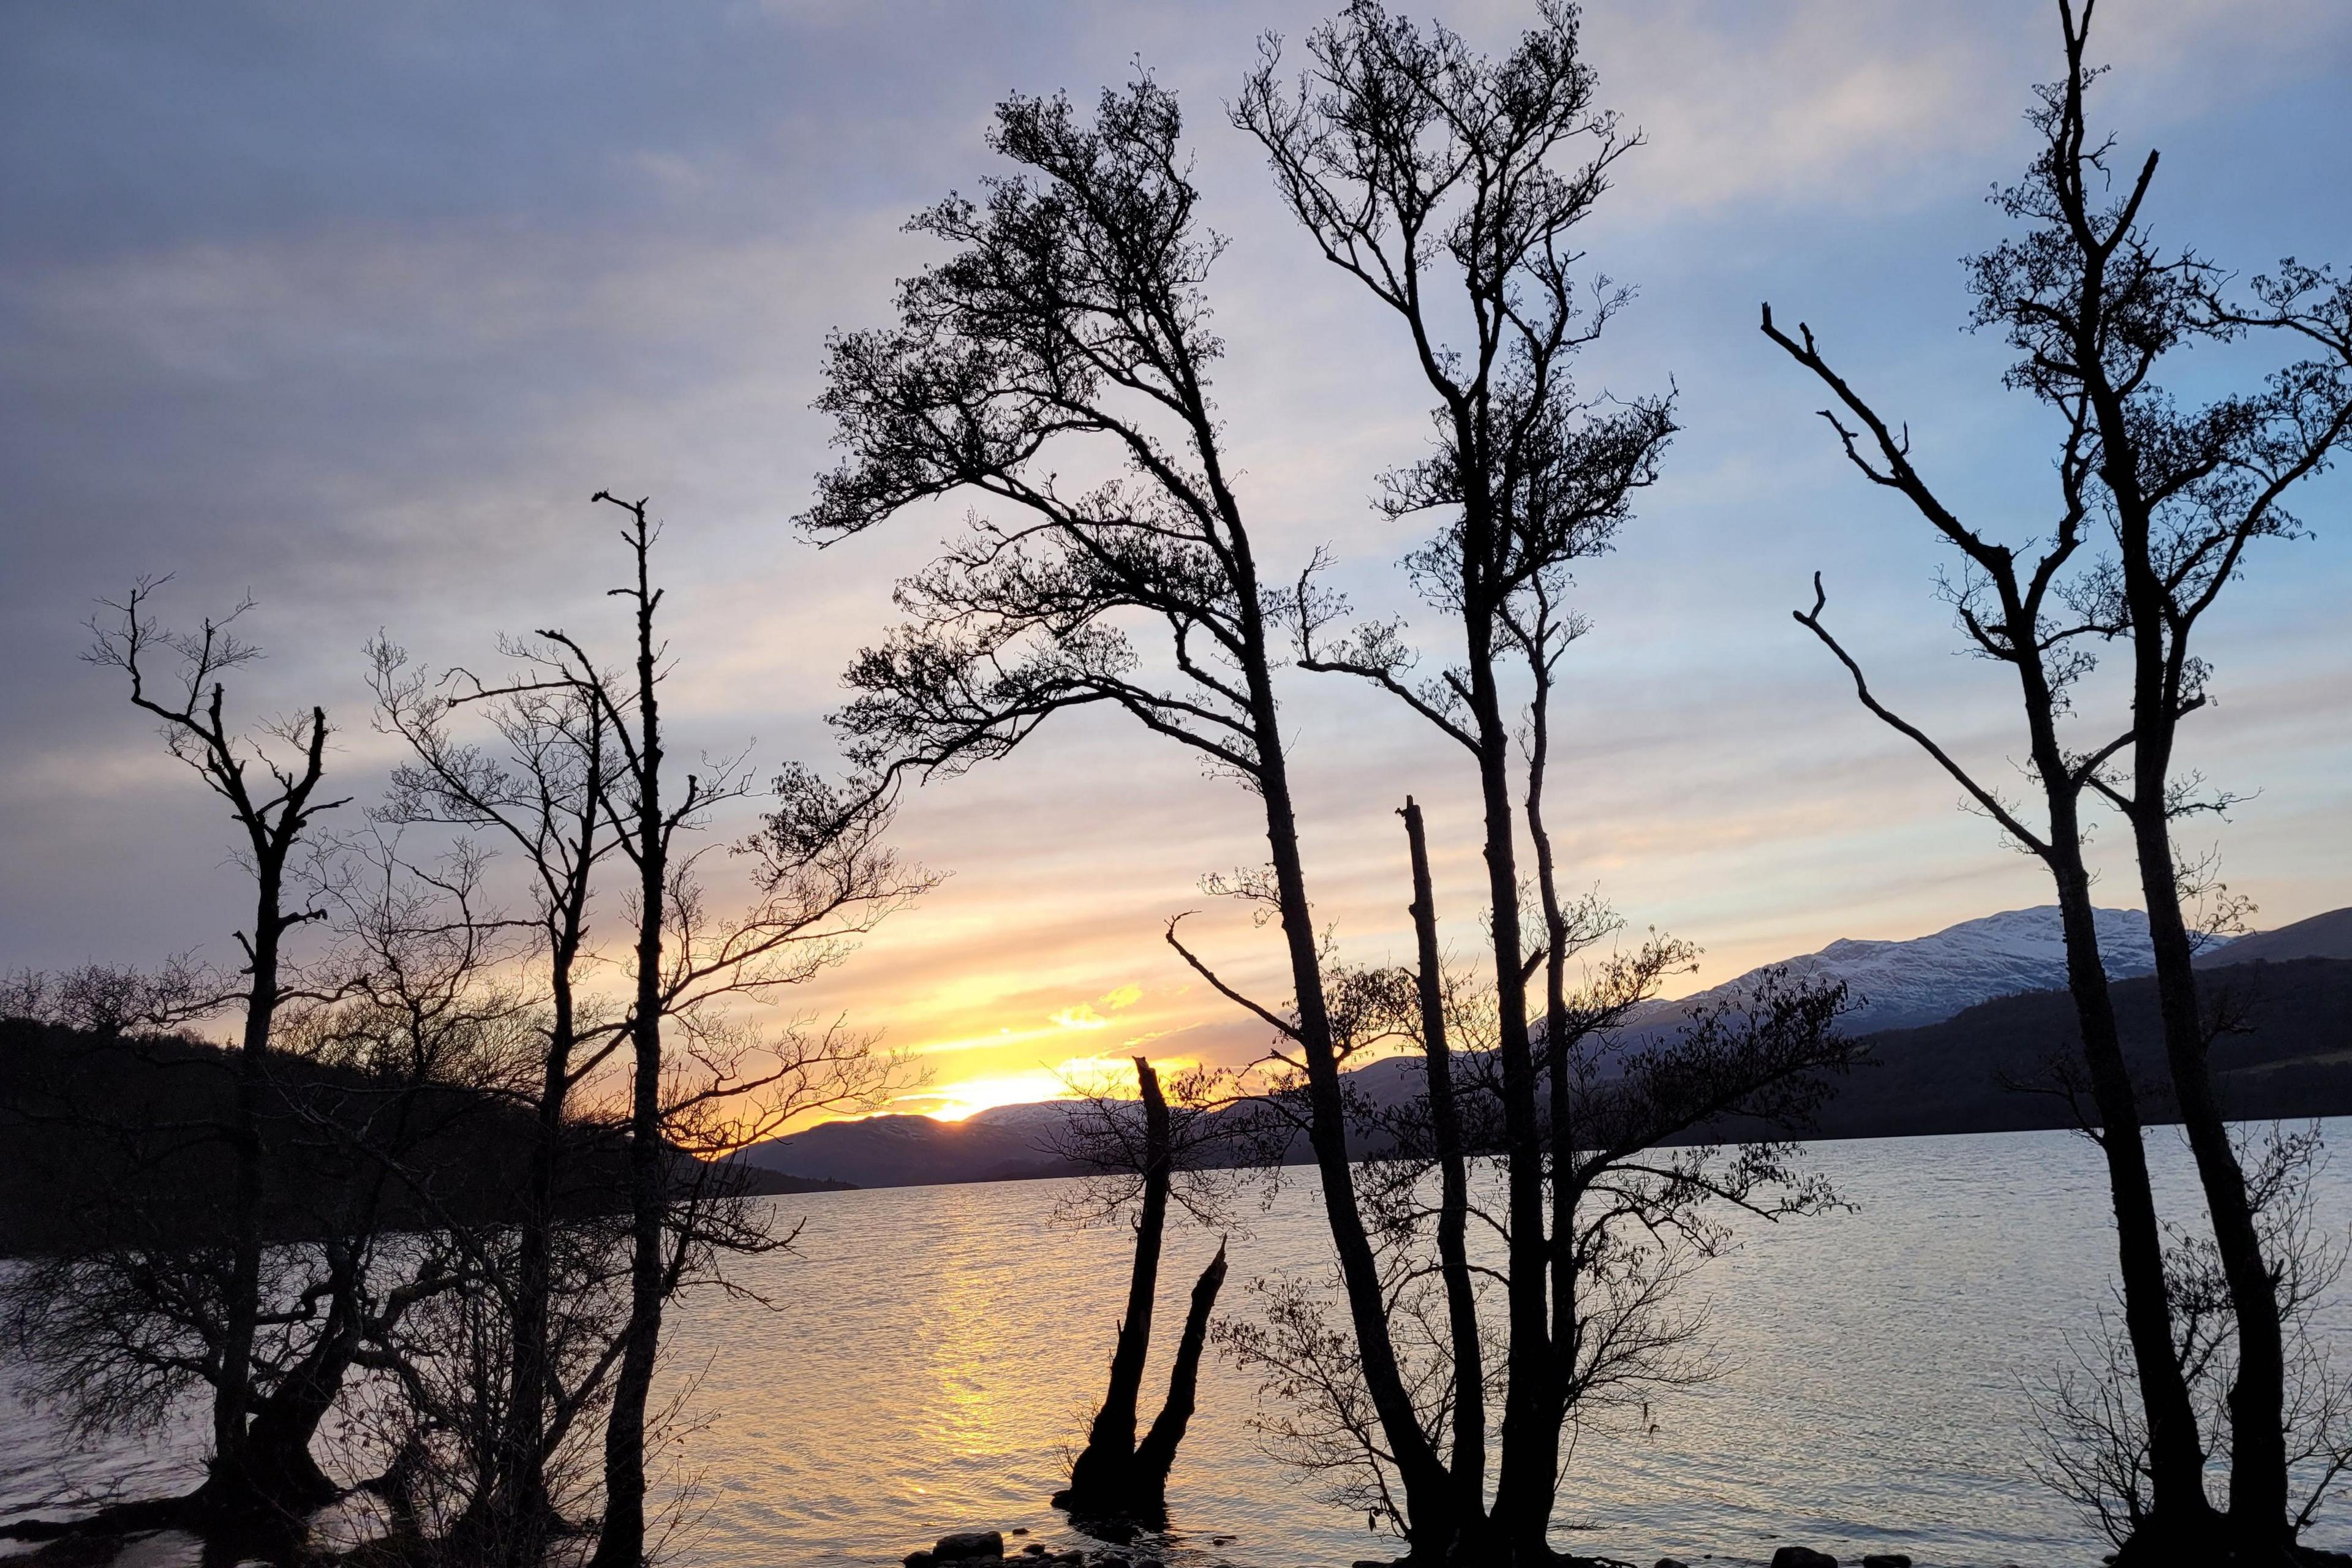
1110 1073
954 1101
970 786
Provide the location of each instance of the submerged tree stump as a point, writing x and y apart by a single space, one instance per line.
1115 1477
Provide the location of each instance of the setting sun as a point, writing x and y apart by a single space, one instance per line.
955 1101
1109 1073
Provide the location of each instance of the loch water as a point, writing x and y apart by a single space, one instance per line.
926 1358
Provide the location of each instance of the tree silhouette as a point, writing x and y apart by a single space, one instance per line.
2092 305
1074 315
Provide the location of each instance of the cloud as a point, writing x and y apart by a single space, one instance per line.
354 309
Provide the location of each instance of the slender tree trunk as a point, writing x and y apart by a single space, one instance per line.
621 1543
519 1496
2258 1465
2176 1458
1469 1467
2258 1481
1529 1474
230 1486
1426 1483
1100 1479
1566 1333
520 1481
1155 1456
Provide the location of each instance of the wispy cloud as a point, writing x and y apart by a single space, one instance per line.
309 302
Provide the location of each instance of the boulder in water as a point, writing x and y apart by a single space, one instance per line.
967 1544
1802 1557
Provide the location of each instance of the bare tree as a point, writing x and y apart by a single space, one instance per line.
824 878
2095 306
112 999
444 1050
386 1076
541 796
1073 319
583 781
274 800
2092 305
400 1079
1451 186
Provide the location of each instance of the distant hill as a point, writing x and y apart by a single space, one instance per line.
2321 936
1947 1072
1002 1143
1989 1005
103 1134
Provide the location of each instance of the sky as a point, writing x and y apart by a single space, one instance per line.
351 308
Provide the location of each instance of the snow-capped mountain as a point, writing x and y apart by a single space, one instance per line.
1907 985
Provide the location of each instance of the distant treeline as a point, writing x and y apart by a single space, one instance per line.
102 1131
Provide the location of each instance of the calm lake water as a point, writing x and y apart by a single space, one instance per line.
939 1348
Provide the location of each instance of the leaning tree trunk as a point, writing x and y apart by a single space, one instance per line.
1101 1481
277 1465
2176 1458
2258 1478
1469 1462
1427 1485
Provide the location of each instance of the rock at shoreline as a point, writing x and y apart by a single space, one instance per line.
985 1548
1670 1562
1802 1557
1887 1560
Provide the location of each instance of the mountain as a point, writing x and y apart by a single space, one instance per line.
2289 1059
2321 936
1908 984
